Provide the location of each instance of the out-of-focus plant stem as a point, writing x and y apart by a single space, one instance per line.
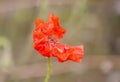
6 61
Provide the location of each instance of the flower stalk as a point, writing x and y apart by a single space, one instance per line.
48 71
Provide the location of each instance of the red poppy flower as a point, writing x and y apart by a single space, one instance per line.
46 38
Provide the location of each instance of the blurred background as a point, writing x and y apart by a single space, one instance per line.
93 23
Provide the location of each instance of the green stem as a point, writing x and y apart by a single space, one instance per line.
48 72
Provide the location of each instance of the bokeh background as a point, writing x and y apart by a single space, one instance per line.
93 23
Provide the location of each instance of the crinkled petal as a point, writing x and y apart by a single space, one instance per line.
77 54
60 52
53 24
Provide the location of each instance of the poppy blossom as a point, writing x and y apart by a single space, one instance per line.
46 38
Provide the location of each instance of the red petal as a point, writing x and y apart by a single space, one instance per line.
38 22
60 52
57 30
77 54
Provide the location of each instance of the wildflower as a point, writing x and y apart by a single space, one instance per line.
46 38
